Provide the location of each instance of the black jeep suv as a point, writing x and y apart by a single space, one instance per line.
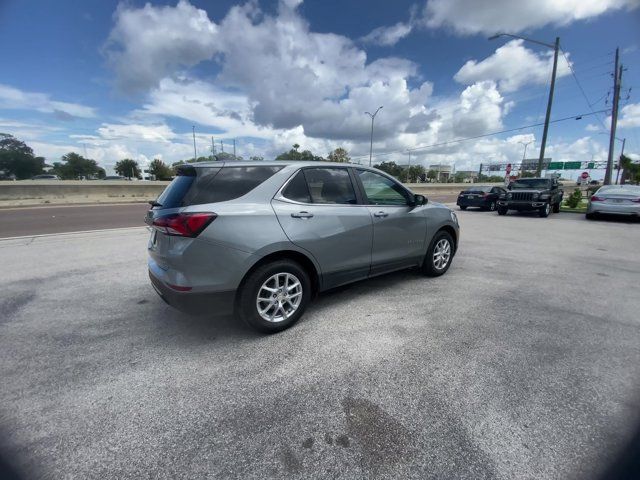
527 194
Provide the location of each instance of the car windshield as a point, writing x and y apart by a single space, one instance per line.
531 183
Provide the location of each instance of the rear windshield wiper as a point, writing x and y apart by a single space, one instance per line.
153 203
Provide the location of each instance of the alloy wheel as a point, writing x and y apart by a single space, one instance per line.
441 254
279 297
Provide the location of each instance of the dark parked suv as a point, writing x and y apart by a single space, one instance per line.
260 238
532 194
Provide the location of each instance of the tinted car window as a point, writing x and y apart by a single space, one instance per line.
195 186
297 189
330 185
381 190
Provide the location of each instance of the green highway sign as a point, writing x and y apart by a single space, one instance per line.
572 165
556 165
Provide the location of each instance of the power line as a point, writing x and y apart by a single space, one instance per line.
575 77
450 142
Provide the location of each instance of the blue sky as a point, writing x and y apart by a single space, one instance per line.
129 79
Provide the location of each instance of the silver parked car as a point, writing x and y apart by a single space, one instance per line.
615 200
261 238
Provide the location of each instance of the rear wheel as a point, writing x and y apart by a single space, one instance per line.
439 255
274 296
502 210
556 207
545 210
492 206
590 216
462 207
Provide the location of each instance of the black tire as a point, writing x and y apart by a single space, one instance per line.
247 298
556 207
429 267
502 210
545 210
491 206
462 207
590 216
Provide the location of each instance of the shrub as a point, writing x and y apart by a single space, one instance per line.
574 199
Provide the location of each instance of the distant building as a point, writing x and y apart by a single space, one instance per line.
468 176
443 171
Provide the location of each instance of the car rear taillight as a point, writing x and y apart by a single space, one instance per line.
595 198
184 224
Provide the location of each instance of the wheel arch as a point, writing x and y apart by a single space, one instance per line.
294 255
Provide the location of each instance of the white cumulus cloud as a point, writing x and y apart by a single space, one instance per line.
512 66
491 16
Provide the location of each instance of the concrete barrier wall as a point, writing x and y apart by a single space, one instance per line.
34 192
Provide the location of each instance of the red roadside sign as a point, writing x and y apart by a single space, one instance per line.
585 175
508 168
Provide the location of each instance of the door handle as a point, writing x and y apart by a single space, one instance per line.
380 214
302 215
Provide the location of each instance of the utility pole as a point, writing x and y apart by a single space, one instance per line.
221 146
195 154
624 140
234 147
524 154
373 117
617 79
213 149
556 47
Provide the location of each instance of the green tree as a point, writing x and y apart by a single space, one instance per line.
459 177
432 175
17 158
74 166
339 155
391 168
295 154
161 170
631 170
414 172
128 168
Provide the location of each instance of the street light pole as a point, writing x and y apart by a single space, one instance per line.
556 49
524 154
195 155
373 117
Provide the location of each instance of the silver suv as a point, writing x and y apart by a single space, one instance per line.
261 238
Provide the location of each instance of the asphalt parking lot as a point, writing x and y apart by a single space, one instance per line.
522 362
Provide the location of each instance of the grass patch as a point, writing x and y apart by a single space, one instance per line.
581 208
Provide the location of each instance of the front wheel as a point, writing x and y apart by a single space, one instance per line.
274 296
502 210
545 210
439 255
462 207
556 207
492 206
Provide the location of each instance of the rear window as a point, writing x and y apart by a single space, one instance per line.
195 186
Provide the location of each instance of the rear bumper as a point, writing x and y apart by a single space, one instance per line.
471 202
195 303
613 209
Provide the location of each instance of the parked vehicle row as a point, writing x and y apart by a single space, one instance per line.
526 194
261 240
544 195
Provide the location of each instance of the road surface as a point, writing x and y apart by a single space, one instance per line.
15 222
523 361
25 221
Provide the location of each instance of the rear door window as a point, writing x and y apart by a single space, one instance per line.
330 185
196 186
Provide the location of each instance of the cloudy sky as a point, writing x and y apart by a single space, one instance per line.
130 79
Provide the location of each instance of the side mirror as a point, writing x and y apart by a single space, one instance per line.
509 187
419 200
